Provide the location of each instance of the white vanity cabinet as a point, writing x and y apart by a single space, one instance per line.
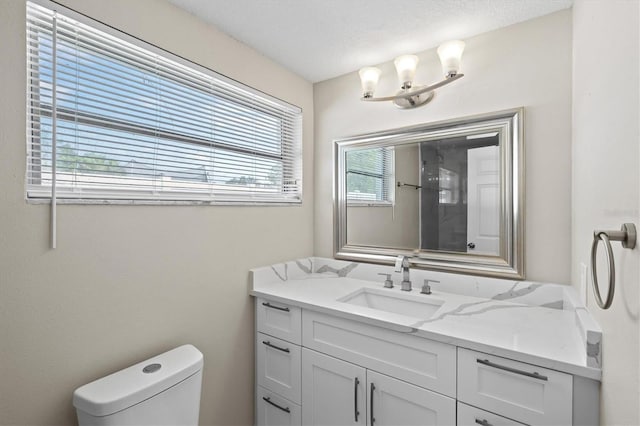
317 369
339 393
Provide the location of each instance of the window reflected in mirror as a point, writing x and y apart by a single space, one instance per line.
393 223
369 175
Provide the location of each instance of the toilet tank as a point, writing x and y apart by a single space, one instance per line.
163 390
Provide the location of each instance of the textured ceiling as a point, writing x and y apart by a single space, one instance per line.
321 39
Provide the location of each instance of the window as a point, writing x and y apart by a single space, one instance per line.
370 176
449 182
135 123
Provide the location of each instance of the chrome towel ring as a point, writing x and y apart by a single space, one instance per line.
627 236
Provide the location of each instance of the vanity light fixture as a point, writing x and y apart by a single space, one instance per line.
411 96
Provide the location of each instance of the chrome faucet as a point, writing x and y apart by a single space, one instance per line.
402 265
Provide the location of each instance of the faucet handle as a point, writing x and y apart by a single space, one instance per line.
388 282
426 288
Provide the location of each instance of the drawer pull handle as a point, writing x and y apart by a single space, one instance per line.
373 419
356 383
269 305
268 343
268 400
483 422
512 370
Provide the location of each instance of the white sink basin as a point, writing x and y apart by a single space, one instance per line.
418 306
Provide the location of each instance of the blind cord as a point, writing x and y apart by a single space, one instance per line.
54 212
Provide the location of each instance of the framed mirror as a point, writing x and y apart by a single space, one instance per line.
450 195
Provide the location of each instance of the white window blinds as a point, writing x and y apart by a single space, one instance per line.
134 123
370 175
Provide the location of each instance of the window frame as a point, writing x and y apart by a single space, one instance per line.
41 194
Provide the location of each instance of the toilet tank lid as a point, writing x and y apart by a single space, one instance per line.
141 381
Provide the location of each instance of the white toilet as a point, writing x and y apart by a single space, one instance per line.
163 390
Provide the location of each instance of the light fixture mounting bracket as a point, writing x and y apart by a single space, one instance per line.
413 101
416 96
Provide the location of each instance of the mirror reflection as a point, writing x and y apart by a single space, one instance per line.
449 194
439 194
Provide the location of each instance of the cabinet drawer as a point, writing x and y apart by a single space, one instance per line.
279 320
423 362
278 366
472 416
523 392
274 410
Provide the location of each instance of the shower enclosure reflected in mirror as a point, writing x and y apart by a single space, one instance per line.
448 194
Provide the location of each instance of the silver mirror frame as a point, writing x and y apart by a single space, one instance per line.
510 262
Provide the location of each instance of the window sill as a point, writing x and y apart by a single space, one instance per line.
115 202
364 204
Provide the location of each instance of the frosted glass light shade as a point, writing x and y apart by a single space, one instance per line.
406 69
369 77
450 54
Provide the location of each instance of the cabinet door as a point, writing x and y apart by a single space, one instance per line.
333 391
392 402
274 410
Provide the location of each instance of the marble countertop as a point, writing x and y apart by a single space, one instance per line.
501 325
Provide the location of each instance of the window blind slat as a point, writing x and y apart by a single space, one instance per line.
94 136
117 88
225 119
166 69
136 125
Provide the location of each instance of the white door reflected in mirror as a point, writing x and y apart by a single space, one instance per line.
483 202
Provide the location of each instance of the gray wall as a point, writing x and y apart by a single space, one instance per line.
128 282
606 184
